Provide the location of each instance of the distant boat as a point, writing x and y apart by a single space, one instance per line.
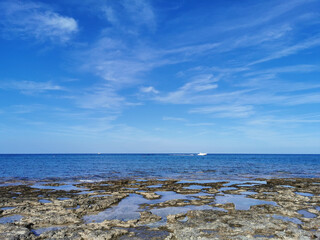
202 154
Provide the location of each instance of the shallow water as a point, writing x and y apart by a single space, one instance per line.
66 187
196 187
129 207
287 219
304 194
7 208
287 186
10 219
89 167
241 202
307 214
126 209
63 199
155 186
40 231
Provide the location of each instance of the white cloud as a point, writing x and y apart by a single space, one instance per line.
33 20
101 97
140 12
149 89
30 86
174 119
190 90
309 43
286 69
225 111
199 124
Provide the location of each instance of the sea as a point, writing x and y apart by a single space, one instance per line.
96 167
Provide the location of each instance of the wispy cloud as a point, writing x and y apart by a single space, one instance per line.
287 51
99 98
35 20
263 14
30 86
149 89
303 68
270 120
202 124
233 111
140 12
174 119
184 94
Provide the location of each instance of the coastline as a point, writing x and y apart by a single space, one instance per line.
281 208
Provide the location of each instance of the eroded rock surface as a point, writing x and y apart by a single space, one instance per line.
162 209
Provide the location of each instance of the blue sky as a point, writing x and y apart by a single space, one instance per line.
160 76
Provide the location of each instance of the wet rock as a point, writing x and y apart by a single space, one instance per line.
149 195
148 217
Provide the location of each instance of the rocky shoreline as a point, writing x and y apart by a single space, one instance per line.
162 209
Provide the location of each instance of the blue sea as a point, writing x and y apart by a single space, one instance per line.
156 166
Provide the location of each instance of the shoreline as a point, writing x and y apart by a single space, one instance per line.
162 209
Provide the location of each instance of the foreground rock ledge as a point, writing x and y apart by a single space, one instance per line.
162 209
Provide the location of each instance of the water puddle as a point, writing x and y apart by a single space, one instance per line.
248 193
241 202
7 208
287 186
44 201
306 214
245 183
67 187
155 186
39 231
101 195
127 209
287 219
63 199
196 187
84 192
317 208
227 188
200 181
166 196
10 219
305 194
10 184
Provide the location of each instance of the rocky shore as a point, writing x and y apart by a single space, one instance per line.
161 209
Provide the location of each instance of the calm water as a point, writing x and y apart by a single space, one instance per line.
113 166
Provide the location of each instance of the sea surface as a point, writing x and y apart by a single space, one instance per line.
96 167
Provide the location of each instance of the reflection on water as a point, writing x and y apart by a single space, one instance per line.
241 202
287 219
304 194
66 187
7 208
10 219
39 231
307 214
127 209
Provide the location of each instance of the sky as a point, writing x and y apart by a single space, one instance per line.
139 76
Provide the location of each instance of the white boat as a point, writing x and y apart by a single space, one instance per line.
202 154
